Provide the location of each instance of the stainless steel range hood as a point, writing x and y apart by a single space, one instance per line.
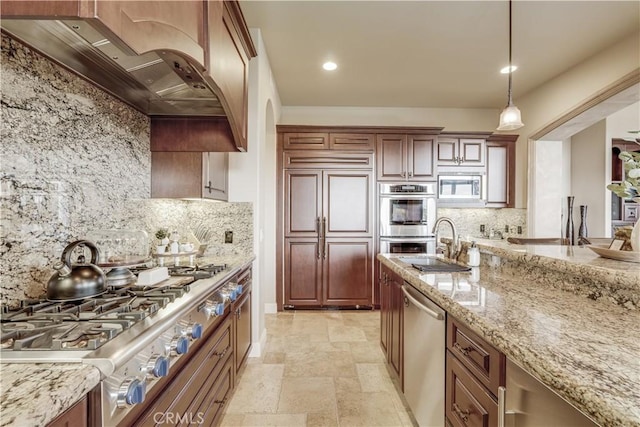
157 83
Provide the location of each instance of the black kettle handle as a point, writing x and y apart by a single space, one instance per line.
66 254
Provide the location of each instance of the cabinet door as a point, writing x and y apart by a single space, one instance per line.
395 357
303 202
215 181
472 152
420 157
447 151
242 332
500 174
391 157
228 62
347 270
385 309
302 272
146 26
348 203
467 403
176 174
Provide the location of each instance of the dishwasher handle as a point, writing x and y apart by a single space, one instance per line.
421 306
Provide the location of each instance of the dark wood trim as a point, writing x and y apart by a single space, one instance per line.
46 9
498 137
358 129
478 135
279 284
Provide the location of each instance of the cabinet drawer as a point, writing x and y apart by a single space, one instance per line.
327 160
484 361
351 141
306 141
467 402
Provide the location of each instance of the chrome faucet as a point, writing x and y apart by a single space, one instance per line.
453 248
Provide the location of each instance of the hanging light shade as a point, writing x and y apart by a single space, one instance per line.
510 118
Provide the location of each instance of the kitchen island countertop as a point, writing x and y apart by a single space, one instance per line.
587 351
33 394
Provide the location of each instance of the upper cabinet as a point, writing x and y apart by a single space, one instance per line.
405 157
165 58
461 150
304 138
501 170
230 48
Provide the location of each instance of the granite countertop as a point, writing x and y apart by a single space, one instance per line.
34 394
587 351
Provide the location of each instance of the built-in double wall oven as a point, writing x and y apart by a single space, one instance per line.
407 212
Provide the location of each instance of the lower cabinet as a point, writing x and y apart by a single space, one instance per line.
76 416
391 328
475 371
241 309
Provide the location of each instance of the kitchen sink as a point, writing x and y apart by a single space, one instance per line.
433 265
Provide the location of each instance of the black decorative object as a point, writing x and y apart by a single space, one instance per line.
570 232
582 230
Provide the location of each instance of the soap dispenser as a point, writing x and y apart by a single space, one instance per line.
473 254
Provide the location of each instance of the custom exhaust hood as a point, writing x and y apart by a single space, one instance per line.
157 83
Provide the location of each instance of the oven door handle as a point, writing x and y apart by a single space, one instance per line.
319 236
324 237
408 239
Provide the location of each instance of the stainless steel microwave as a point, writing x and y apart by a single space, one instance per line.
462 188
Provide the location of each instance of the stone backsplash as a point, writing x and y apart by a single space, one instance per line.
74 160
469 220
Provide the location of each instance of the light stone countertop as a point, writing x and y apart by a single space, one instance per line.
33 394
587 351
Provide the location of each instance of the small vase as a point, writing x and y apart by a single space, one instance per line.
582 230
570 232
635 233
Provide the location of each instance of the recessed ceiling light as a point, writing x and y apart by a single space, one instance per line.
329 66
508 69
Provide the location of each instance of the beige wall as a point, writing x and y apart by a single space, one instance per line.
588 177
567 91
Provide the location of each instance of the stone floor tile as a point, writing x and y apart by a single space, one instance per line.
366 409
232 420
366 352
319 364
307 395
346 333
275 420
258 391
373 377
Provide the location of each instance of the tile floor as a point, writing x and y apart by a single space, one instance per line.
319 368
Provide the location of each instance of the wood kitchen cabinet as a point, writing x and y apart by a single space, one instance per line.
241 309
328 237
501 170
391 323
230 49
328 141
461 150
474 372
189 175
401 157
76 416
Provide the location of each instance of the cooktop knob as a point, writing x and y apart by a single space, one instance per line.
213 309
179 344
158 366
196 331
132 391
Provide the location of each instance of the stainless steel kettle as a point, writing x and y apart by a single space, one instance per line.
77 281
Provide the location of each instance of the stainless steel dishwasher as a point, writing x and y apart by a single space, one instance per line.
424 353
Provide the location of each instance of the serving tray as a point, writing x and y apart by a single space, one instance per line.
605 252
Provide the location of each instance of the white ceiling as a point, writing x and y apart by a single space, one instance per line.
429 53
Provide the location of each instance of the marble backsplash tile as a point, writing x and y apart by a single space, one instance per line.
74 160
468 221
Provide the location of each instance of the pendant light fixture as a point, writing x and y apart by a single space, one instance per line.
510 117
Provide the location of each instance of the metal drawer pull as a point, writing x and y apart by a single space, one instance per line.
463 350
221 402
464 415
222 353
